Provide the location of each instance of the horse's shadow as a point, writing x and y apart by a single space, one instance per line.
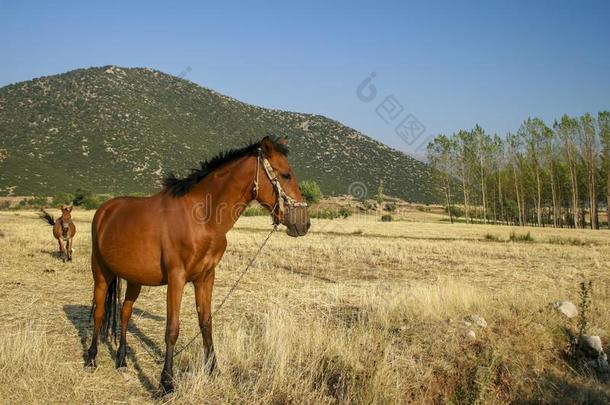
53 253
79 315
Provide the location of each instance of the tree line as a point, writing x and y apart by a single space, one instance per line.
541 175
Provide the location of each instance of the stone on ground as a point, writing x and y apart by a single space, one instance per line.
566 308
477 320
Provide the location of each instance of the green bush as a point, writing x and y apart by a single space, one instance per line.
255 212
93 201
310 191
387 218
324 214
80 195
345 212
390 207
63 198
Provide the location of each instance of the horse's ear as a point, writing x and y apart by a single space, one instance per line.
267 146
70 208
62 207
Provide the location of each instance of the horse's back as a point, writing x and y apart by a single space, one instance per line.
111 206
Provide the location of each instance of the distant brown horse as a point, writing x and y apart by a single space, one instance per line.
179 236
63 230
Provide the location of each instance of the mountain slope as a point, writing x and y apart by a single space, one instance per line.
120 130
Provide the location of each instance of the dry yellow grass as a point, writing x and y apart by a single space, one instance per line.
356 311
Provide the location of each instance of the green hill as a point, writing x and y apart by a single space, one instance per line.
119 130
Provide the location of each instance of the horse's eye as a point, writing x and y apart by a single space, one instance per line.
286 176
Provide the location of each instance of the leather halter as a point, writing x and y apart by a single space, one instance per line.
282 199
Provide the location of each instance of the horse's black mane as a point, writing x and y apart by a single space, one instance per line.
179 187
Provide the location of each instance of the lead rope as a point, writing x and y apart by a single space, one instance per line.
233 287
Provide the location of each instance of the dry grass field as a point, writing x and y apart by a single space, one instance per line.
356 311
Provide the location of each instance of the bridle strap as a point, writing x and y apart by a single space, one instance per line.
258 160
282 198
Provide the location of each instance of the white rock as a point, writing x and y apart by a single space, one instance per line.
592 345
566 308
471 335
477 320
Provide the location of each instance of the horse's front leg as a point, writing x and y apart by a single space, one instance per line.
203 299
62 251
175 287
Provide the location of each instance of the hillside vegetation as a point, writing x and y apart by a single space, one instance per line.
118 130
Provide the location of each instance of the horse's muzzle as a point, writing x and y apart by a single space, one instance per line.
297 221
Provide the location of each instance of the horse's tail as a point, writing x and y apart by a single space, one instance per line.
45 216
112 309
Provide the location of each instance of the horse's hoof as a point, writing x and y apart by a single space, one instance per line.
212 370
167 384
90 366
167 387
122 364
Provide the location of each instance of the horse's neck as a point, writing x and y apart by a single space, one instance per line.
223 197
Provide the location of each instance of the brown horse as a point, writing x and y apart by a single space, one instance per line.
179 236
63 230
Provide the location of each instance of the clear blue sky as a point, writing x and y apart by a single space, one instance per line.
450 65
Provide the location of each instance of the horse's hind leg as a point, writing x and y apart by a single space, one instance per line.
101 279
131 295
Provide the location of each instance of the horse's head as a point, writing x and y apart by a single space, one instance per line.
278 189
66 212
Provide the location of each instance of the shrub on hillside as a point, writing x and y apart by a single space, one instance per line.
80 195
93 201
387 218
63 198
310 191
